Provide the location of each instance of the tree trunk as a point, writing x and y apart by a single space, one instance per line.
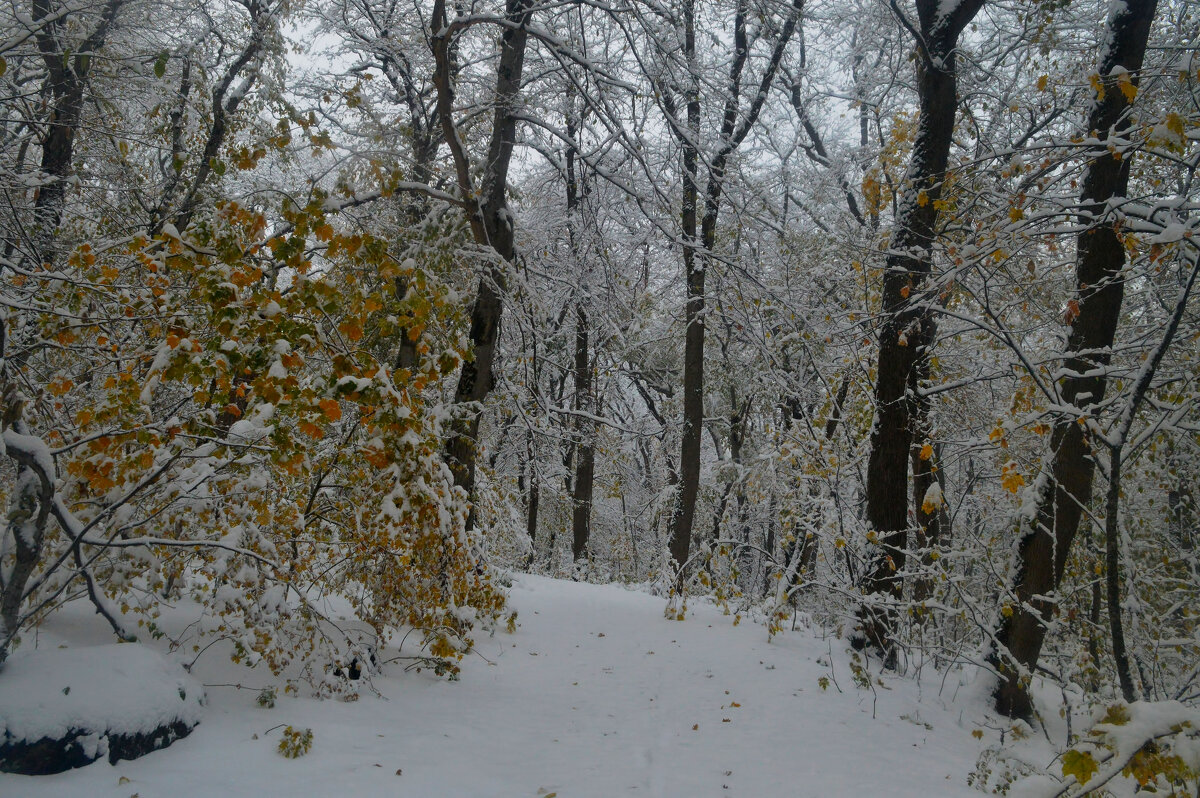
1043 548
693 341
533 498
66 79
734 128
908 327
490 219
585 428
585 465
1112 576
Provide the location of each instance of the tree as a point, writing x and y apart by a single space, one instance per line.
908 327
1094 316
698 224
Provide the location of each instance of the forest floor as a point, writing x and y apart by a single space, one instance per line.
595 694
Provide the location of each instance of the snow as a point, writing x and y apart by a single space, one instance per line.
596 694
123 689
33 447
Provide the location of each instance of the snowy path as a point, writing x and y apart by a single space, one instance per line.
595 695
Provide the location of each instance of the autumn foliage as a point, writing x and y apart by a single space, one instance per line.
229 426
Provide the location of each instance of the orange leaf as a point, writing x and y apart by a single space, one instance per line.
1072 311
331 409
311 430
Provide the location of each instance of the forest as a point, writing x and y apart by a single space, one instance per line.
874 316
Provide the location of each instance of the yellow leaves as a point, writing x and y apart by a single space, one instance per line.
1150 762
1169 133
1174 123
922 198
1116 715
872 192
275 360
1127 87
1079 764
1042 82
932 502
1010 477
1097 86
926 451
1016 214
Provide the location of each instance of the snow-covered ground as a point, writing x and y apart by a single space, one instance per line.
596 694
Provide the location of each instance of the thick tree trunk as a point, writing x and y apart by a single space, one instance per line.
490 218
1043 548
585 466
693 341
908 327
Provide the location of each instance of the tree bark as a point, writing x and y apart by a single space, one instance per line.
489 216
1043 548
533 497
734 128
585 428
908 328
585 466
1112 576
66 78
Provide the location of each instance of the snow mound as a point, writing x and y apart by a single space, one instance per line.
64 708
